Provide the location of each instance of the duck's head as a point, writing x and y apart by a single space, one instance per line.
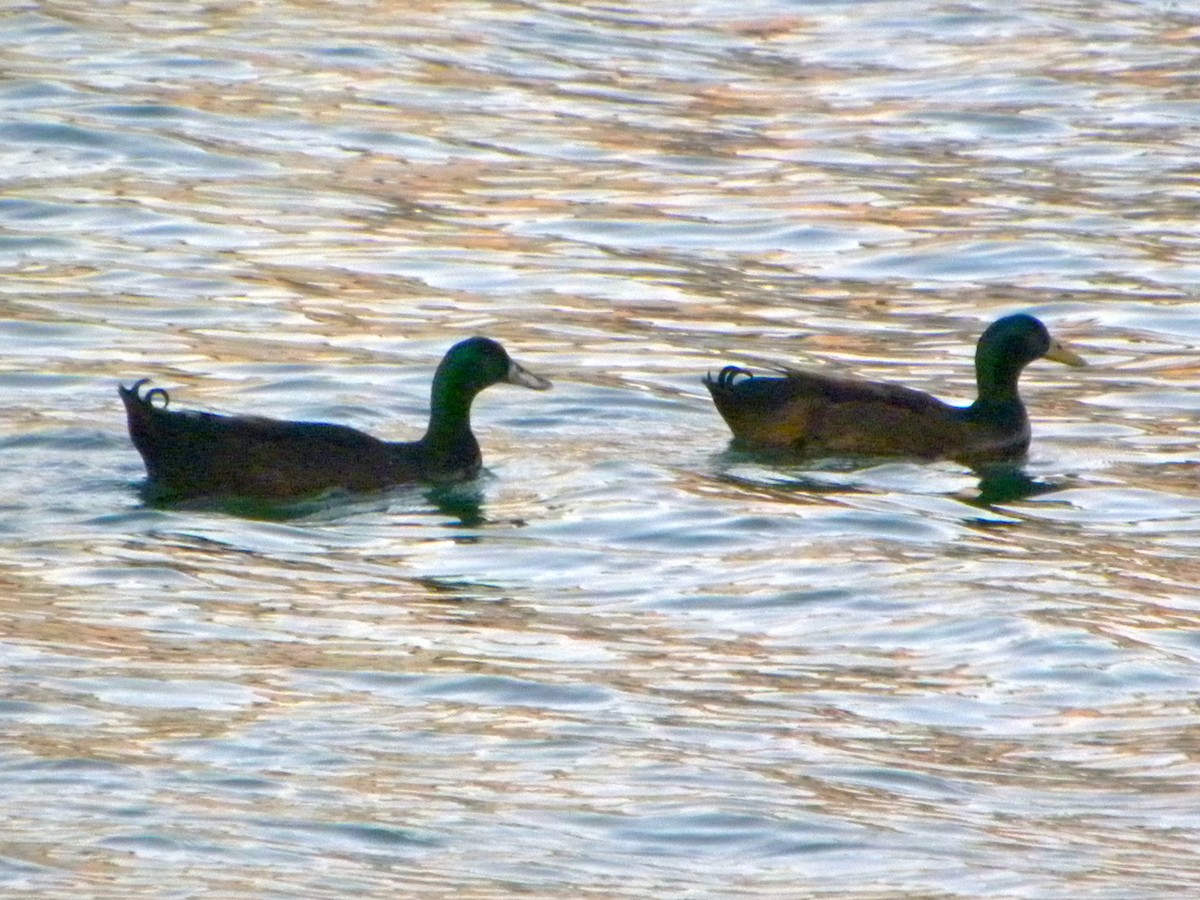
1008 345
471 365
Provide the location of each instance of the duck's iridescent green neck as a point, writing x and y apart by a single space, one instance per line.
450 410
996 374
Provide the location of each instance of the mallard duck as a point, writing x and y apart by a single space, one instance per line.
197 454
822 415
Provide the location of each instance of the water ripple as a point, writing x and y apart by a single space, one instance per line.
629 660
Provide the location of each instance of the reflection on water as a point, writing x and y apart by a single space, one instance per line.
627 661
999 484
461 504
783 473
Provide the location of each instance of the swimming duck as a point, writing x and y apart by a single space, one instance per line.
822 415
197 454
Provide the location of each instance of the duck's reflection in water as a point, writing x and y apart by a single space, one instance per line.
1001 483
463 503
775 473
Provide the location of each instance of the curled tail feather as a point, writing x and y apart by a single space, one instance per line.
132 394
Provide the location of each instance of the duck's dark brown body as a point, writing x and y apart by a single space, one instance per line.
195 454
191 454
818 415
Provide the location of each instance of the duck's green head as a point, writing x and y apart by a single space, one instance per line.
471 365
1007 346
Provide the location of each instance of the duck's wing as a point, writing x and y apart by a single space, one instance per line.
818 413
196 453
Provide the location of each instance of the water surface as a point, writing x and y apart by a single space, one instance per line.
628 660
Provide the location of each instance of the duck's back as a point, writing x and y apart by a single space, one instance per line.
191 454
818 414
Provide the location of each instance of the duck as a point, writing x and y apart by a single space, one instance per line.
821 415
191 454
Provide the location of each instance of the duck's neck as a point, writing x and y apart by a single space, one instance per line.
998 404
996 378
449 437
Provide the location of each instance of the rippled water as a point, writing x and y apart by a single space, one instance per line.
628 661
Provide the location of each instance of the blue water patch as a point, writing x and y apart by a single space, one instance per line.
154 112
151 693
65 769
366 836
18 874
680 234
990 126
20 93
143 150
488 690
739 837
17 246
366 840
57 715
978 261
